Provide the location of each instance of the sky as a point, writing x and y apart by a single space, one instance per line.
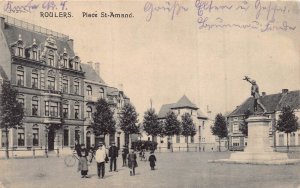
163 59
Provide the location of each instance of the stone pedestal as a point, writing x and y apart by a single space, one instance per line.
258 146
258 150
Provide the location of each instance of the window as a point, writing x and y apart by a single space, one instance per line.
34 79
191 112
281 139
51 83
66 137
76 109
89 111
178 111
35 136
293 139
34 54
20 50
51 60
21 101
66 63
46 108
54 109
35 106
3 141
76 87
76 65
235 128
236 141
177 138
89 90
65 110
185 139
101 93
235 119
65 85
192 139
21 137
20 76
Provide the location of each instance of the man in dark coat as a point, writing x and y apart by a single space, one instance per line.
113 154
132 163
124 155
152 160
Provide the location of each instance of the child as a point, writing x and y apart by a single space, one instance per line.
152 160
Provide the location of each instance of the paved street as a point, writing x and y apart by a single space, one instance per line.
173 170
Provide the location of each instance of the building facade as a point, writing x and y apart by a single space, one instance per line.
56 90
273 104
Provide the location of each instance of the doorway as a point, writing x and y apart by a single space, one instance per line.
51 136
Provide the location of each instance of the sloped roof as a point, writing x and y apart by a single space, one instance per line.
184 102
273 102
165 108
12 32
112 91
2 73
90 74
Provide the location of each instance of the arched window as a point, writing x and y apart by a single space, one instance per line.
34 78
89 111
34 106
20 76
101 92
89 90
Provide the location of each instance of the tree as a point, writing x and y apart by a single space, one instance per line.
287 122
103 119
220 128
172 126
244 125
129 120
11 111
151 124
188 127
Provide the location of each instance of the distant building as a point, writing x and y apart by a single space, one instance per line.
273 104
202 139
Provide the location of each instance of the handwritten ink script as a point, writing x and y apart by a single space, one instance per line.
172 8
29 6
262 16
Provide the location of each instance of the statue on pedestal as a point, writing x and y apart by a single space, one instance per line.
255 94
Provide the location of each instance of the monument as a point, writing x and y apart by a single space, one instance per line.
258 150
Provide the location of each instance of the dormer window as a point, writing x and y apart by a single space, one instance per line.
65 63
34 54
20 50
51 60
76 65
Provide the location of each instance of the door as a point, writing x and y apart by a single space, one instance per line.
51 136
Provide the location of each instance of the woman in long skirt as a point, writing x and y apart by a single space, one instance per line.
132 163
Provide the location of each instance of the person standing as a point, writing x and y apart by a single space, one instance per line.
132 163
100 159
83 165
113 154
152 160
124 154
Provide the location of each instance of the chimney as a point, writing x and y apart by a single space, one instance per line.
263 93
120 87
90 63
71 43
97 68
285 91
2 22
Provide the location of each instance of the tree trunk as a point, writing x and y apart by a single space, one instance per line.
287 142
219 144
187 143
6 147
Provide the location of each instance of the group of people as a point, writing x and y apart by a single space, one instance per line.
103 155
